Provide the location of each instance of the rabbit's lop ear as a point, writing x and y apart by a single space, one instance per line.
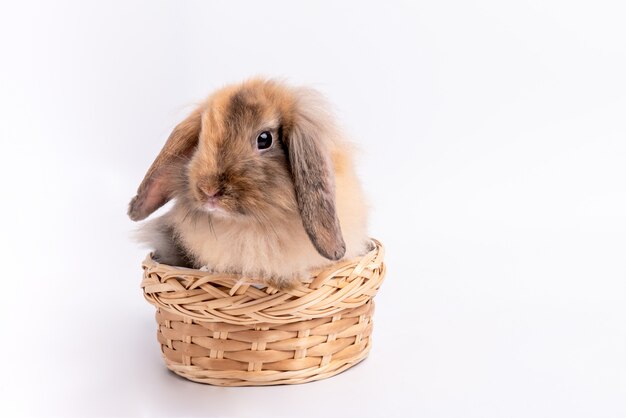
156 188
313 177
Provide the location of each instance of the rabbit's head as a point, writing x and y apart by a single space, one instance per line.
259 149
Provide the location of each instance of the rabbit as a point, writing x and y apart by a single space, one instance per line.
264 186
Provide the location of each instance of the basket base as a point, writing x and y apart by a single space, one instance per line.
265 354
263 378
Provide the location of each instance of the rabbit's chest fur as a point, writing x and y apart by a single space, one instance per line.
277 253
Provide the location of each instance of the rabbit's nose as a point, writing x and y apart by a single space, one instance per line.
211 192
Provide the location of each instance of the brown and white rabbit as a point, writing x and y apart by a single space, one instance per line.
264 185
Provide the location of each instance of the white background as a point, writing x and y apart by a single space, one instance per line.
494 154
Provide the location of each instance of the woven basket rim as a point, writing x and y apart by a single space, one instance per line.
216 297
237 279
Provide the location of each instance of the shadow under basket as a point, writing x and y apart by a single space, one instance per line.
220 330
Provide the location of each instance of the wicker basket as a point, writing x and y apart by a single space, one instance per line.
215 329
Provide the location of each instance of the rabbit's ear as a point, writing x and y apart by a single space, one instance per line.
156 188
314 180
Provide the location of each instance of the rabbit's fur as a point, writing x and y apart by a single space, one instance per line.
279 212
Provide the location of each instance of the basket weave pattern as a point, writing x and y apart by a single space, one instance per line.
218 329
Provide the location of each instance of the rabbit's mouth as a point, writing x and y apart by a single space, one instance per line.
212 204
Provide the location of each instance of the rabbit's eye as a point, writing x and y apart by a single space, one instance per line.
264 140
